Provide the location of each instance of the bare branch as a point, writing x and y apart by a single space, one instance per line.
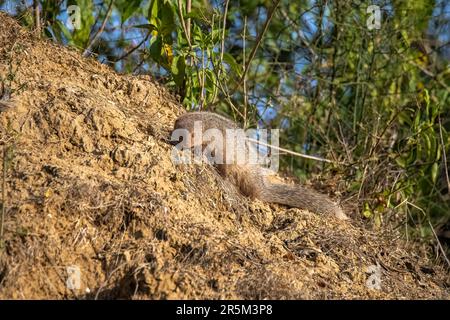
258 42
88 50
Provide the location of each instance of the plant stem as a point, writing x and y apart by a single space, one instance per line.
258 42
2 220
88 50
37 17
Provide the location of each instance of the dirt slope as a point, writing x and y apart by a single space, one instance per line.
90 184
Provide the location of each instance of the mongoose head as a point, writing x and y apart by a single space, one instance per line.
207 121
185 122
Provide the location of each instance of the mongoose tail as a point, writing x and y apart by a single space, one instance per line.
254 183
299 197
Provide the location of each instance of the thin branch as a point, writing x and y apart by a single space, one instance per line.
300 33
37 17
88 50
444 156
183 24
245 79
222 48
222 45
439 243
258 42
126 54
202 82
188 20
2 220
431 226
431 74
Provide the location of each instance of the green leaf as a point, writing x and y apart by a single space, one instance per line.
401 162
210 83
155 48
147 26
427 97
229 59
178 70
153 13
192 15
367 212
167 19
417 120
434 172
127 8
60 30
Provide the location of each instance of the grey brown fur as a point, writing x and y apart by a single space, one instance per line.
252 179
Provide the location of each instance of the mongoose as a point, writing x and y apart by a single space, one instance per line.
251 179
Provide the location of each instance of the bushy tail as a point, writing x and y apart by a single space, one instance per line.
299 197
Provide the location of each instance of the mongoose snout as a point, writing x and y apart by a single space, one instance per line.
251 178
